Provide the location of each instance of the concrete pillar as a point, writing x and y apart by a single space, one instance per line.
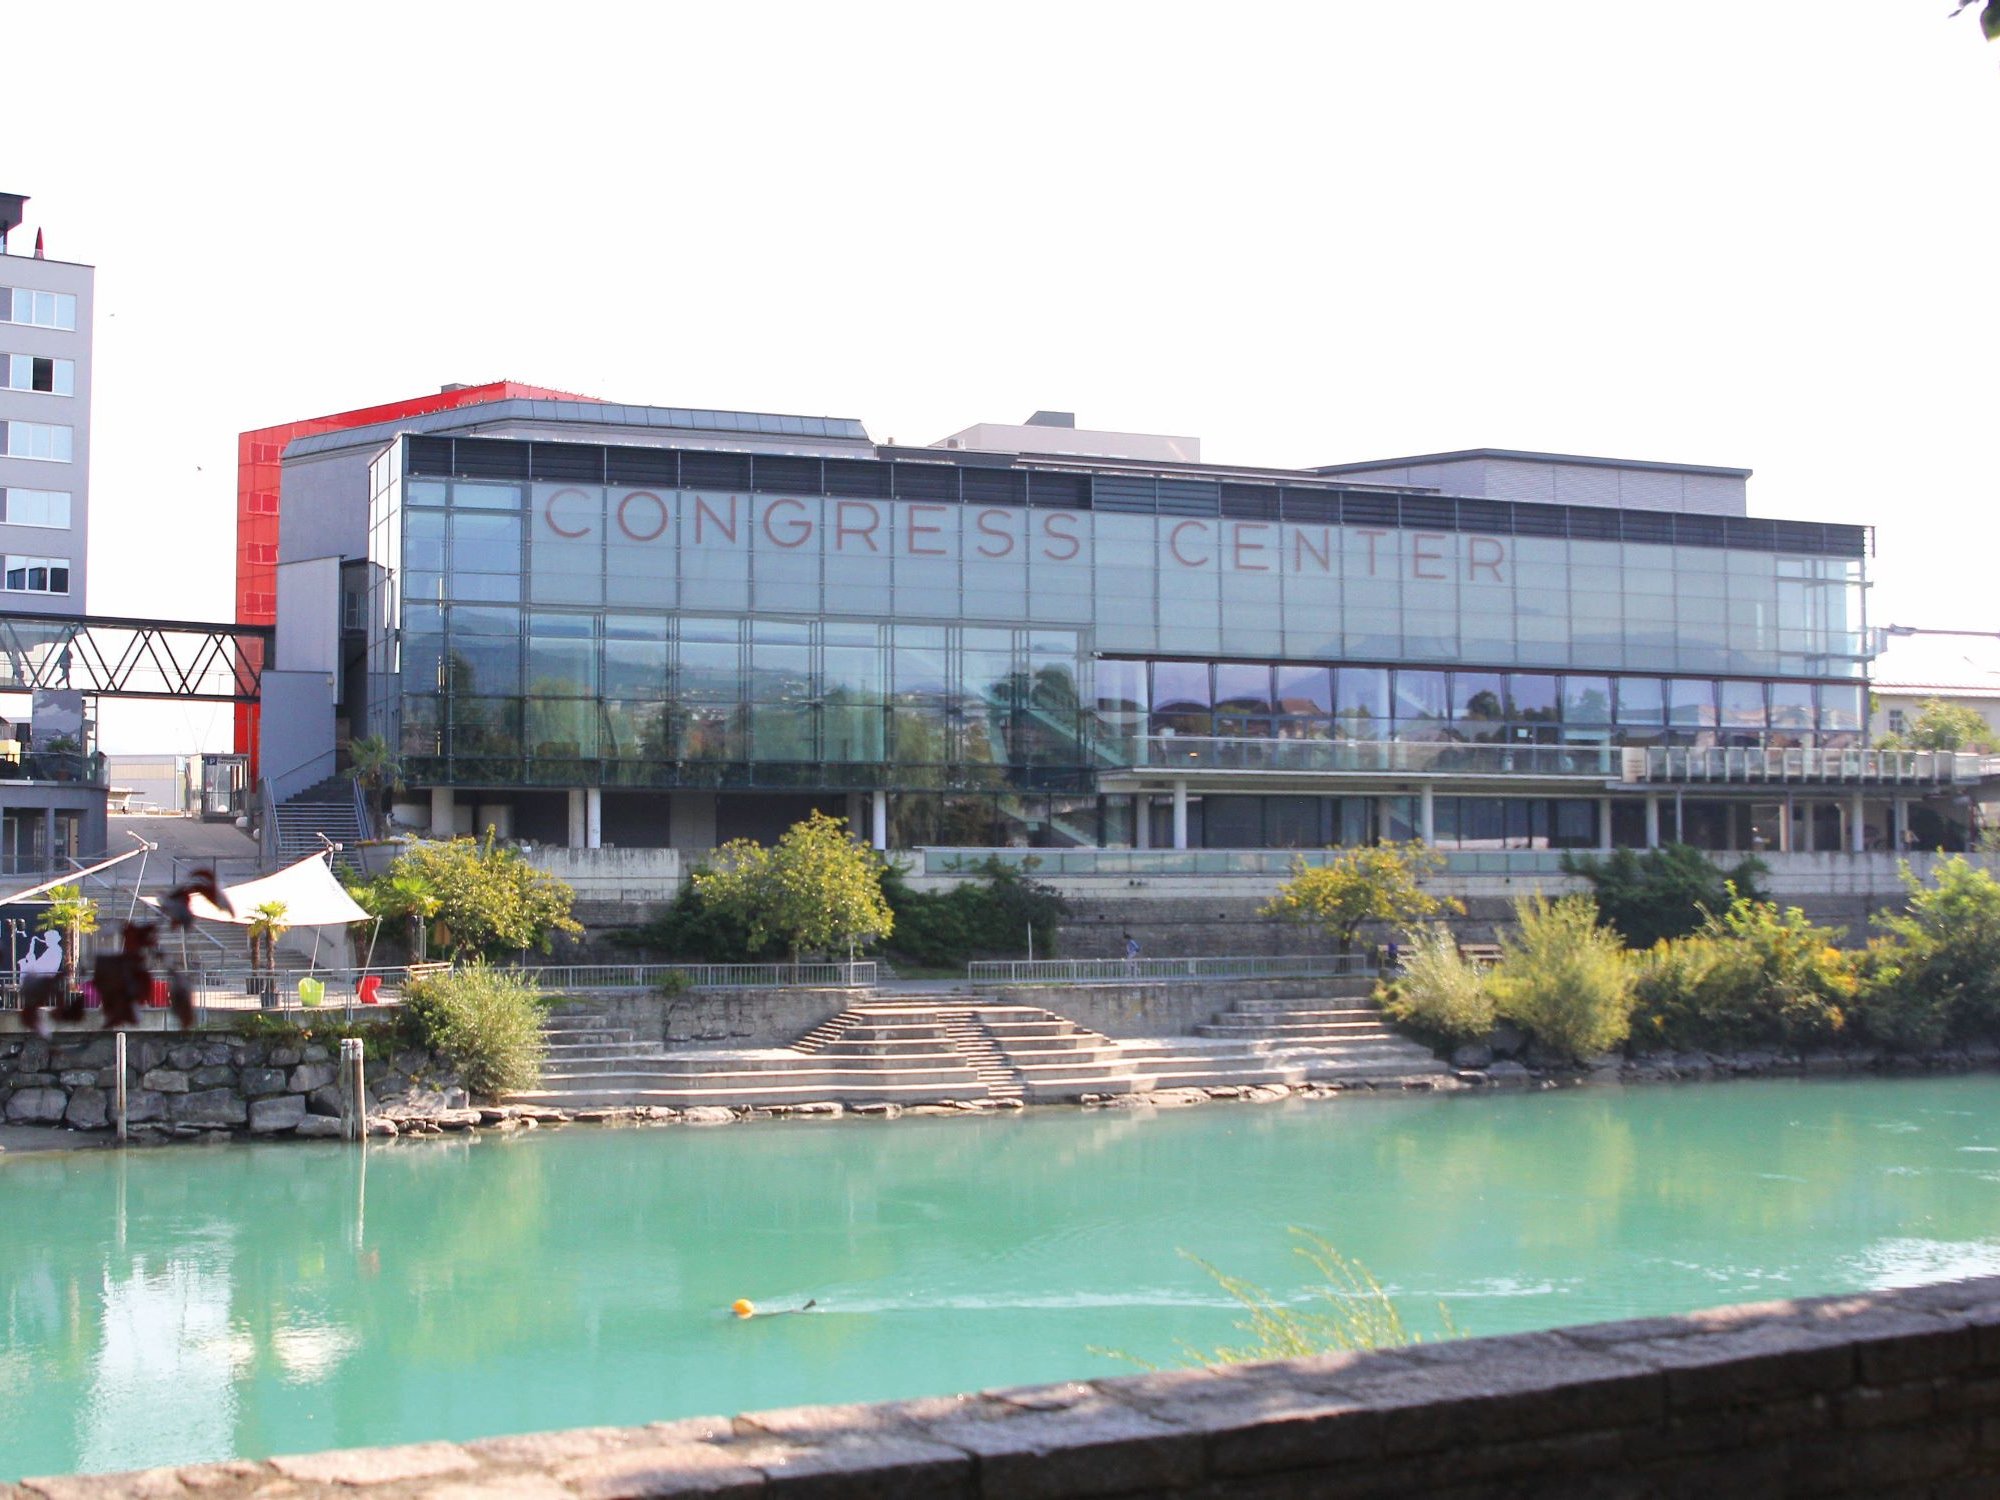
578 829
1142 820
1604 825
1382 820
1854 842
1180 815
593 817
1899 810
1785 826
441 805
1652 820
1427 815
878 819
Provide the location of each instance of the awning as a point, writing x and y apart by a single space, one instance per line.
311 897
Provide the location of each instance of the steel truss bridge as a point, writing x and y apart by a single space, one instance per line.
114 657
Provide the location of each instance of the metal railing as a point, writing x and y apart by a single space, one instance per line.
234 991
86 769
562 977
1158 970
1736 763
1187 753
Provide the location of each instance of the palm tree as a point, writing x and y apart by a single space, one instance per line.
267 925
373 765
72 914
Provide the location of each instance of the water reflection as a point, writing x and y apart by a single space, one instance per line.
166 1306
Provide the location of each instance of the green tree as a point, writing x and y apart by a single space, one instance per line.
1989 17
373 765
1375 883
1666 892
1947 726
1564 978
988 917
488 899
815 890
1947 946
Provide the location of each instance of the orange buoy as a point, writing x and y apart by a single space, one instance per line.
743 1307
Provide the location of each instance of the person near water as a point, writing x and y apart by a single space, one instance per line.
1131 951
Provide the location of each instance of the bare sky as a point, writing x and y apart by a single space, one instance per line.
1724 231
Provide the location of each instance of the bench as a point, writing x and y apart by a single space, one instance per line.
1483 954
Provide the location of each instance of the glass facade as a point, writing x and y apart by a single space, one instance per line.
988 661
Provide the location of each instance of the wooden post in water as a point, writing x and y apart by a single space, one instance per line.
118 1085
353 1089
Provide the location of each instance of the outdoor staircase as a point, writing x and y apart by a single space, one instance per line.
329 808
963 1048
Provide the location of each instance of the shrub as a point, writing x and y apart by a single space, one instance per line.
1663 893
1888 1008
1440 992
986 918
484 896
816 890
1564 978
1754 974
485 1022
1948 944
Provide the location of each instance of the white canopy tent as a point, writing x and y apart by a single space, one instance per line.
311 896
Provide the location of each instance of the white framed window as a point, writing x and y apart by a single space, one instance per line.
33 372
35 575
50 508
37 309
1895 721
47 440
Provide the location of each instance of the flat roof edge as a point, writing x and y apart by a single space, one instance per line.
1525 455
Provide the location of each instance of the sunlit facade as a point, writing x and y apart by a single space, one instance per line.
596 631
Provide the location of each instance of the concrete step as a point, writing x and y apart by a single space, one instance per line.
585 1051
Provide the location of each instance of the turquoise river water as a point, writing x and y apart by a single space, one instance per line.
172 1305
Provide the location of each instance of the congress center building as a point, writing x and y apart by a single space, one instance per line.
592 625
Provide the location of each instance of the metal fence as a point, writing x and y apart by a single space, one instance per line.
1158 970
231 992
561 977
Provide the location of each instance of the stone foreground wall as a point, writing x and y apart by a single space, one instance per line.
1888 1394
192 1082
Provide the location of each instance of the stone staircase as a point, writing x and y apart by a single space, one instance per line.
965 1048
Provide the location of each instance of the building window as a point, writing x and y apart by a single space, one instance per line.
37 440
36 575
32 372
37 309
1895 721
48 508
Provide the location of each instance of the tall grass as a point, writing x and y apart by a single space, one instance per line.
1439 991
1564 977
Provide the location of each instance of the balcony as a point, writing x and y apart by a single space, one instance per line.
75 766
1915 768
1180 755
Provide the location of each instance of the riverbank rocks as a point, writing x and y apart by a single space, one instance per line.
284 1112
318 1127
708 1114
37 1106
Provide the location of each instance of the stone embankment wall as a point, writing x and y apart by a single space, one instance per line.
1891 1393
735 1018
1151 1009
194 1082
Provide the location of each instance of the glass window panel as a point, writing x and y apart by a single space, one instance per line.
1361 701
561 728
711 732
1533 698
1792 705
1121 687
485 496
852 674
1690 701
1304 690
1587 700
1179 686
852 732
1243 688
782 732
1477 696
632 730
483 664
710 669
918 668
1840 706
1421 695
1743 705
780 674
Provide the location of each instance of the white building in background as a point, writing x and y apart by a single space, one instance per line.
1914 665
46 309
